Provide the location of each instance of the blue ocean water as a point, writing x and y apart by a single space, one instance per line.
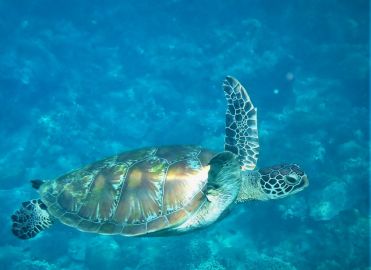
81 80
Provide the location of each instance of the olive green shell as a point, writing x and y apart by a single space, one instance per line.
133 193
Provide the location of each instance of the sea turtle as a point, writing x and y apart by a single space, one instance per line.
159 191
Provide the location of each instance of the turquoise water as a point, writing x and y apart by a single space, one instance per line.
81 81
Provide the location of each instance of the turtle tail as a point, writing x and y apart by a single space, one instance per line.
31 219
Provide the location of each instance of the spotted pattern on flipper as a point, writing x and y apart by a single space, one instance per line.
241 131
30 219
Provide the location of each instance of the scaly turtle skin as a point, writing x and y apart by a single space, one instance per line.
163 190
134 193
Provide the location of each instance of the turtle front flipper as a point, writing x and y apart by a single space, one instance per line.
224 178
241 131
31 219
221 190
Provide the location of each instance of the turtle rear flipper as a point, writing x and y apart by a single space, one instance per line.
31 219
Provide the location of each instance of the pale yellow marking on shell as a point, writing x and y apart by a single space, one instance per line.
135 179
100 182
194 177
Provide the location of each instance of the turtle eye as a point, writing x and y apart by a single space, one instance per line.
292 180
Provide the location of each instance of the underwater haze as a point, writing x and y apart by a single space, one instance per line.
82 80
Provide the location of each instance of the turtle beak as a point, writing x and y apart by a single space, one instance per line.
303 184
305 181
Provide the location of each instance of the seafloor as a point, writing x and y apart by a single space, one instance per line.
80 80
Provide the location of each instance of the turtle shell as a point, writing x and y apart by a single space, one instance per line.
133 193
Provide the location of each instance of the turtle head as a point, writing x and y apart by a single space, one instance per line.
282 180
